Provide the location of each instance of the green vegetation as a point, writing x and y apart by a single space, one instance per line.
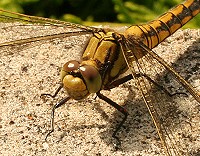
82 11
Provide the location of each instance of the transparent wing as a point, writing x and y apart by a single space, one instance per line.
22 32
172 121
8 16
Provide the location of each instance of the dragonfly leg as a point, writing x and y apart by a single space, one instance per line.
160 86
117 82
57 91
60 103
129 77
120 109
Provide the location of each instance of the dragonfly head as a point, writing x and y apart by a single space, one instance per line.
80 79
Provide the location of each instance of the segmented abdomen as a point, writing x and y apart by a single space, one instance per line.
157 30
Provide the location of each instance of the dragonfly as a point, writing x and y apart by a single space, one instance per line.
110 58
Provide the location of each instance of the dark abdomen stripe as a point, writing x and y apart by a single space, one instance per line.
157 30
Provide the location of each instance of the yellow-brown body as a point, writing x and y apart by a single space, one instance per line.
103 51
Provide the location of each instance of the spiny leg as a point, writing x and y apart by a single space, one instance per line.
161 87
120 109
129 77
117 82
57 91
60 103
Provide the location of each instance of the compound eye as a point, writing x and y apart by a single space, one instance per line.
89 72
71 66
91 77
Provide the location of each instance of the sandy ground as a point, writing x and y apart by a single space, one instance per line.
81 128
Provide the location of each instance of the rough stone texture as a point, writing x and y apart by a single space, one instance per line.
82 128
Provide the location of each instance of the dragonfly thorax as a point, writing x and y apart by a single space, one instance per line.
80 79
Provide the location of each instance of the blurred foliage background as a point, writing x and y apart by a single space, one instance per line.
95 12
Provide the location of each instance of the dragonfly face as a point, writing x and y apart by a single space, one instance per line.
80 79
